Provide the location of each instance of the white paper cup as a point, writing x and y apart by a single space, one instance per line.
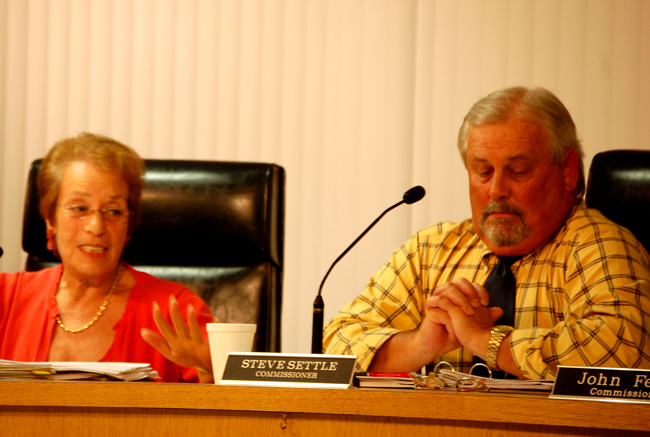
228 337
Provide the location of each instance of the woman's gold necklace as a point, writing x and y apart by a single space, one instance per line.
101 308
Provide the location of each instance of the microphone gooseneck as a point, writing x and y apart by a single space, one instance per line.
413 195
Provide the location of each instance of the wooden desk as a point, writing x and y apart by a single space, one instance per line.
156 409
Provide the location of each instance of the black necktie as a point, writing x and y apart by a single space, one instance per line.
502 286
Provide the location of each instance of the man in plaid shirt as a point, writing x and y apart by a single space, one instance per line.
582 283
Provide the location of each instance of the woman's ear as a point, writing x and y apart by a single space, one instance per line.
49 234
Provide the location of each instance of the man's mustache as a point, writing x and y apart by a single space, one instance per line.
496 206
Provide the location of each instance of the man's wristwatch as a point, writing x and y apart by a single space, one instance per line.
497 335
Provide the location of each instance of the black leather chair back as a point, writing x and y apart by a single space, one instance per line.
619 187
216 227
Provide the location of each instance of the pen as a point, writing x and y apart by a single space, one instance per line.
390 374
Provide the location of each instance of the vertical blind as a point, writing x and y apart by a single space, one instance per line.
358 100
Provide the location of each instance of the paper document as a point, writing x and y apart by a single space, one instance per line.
67 370
451 378
448 380
385 382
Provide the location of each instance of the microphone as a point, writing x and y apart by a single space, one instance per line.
411 196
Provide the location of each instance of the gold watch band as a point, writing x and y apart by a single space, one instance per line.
497 335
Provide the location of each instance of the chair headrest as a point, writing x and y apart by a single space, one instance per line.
619 187
193 213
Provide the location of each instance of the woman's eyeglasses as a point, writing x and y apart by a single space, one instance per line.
113 215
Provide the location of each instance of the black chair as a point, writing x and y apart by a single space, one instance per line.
619 187
216 227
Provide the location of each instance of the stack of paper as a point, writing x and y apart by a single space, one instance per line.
68 370
384 382
451 378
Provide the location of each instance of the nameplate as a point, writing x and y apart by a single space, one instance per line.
289 370
602 384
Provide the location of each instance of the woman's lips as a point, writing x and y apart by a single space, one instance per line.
92 249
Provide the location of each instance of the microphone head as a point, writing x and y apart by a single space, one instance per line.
413 195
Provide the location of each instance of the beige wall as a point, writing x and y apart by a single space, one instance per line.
358 100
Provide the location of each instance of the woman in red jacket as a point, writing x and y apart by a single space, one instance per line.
94 307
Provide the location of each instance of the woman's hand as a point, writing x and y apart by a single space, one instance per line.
181 343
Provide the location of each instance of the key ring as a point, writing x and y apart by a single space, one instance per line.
473 383
481 365
469 383
432 381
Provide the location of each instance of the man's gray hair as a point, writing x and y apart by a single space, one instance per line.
537 105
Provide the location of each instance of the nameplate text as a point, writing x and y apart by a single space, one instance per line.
285 370
602 384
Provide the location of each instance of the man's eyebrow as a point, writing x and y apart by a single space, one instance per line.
520 157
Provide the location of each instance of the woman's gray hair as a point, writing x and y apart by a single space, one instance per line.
537 105
104 152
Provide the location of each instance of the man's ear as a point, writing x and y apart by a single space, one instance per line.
571 170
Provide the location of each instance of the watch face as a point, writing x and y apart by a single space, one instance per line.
503 328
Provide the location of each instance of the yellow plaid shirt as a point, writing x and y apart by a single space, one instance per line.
583 298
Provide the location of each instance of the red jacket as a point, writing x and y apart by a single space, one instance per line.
28 318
